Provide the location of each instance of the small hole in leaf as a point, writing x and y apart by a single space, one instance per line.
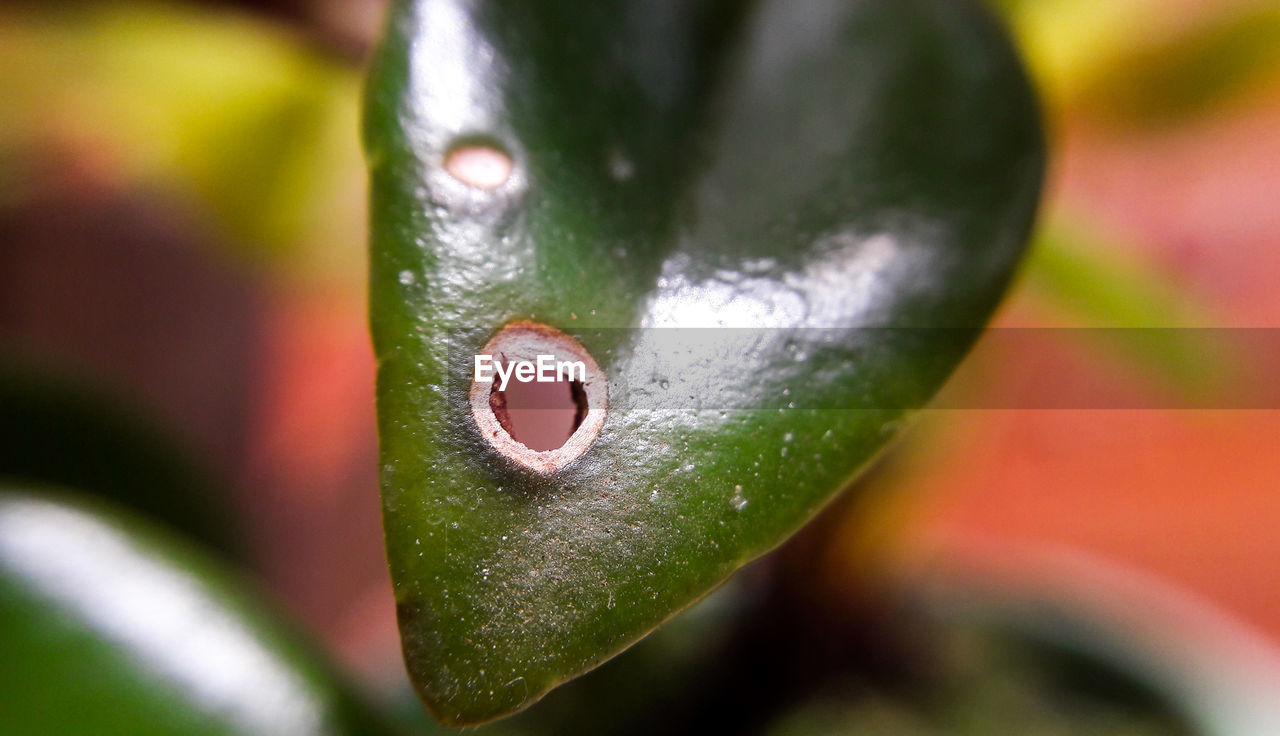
540 416
479 165
546 423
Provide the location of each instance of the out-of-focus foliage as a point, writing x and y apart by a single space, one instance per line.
1099 283
1134 63
109 627
63 433
1102 282
1192 71
1137 68
258 129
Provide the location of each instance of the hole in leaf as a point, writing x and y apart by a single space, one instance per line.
540 416
544 421
479 165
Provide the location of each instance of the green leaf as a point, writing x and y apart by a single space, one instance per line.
793 170
109 627
667 683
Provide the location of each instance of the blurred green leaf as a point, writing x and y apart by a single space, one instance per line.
1103 281
109 627
1150 323
986 676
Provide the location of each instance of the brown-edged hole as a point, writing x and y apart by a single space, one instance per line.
541 426
540 416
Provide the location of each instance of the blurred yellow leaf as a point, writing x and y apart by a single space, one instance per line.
1146 61
232 111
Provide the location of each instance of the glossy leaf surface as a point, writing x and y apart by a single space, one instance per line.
710 197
